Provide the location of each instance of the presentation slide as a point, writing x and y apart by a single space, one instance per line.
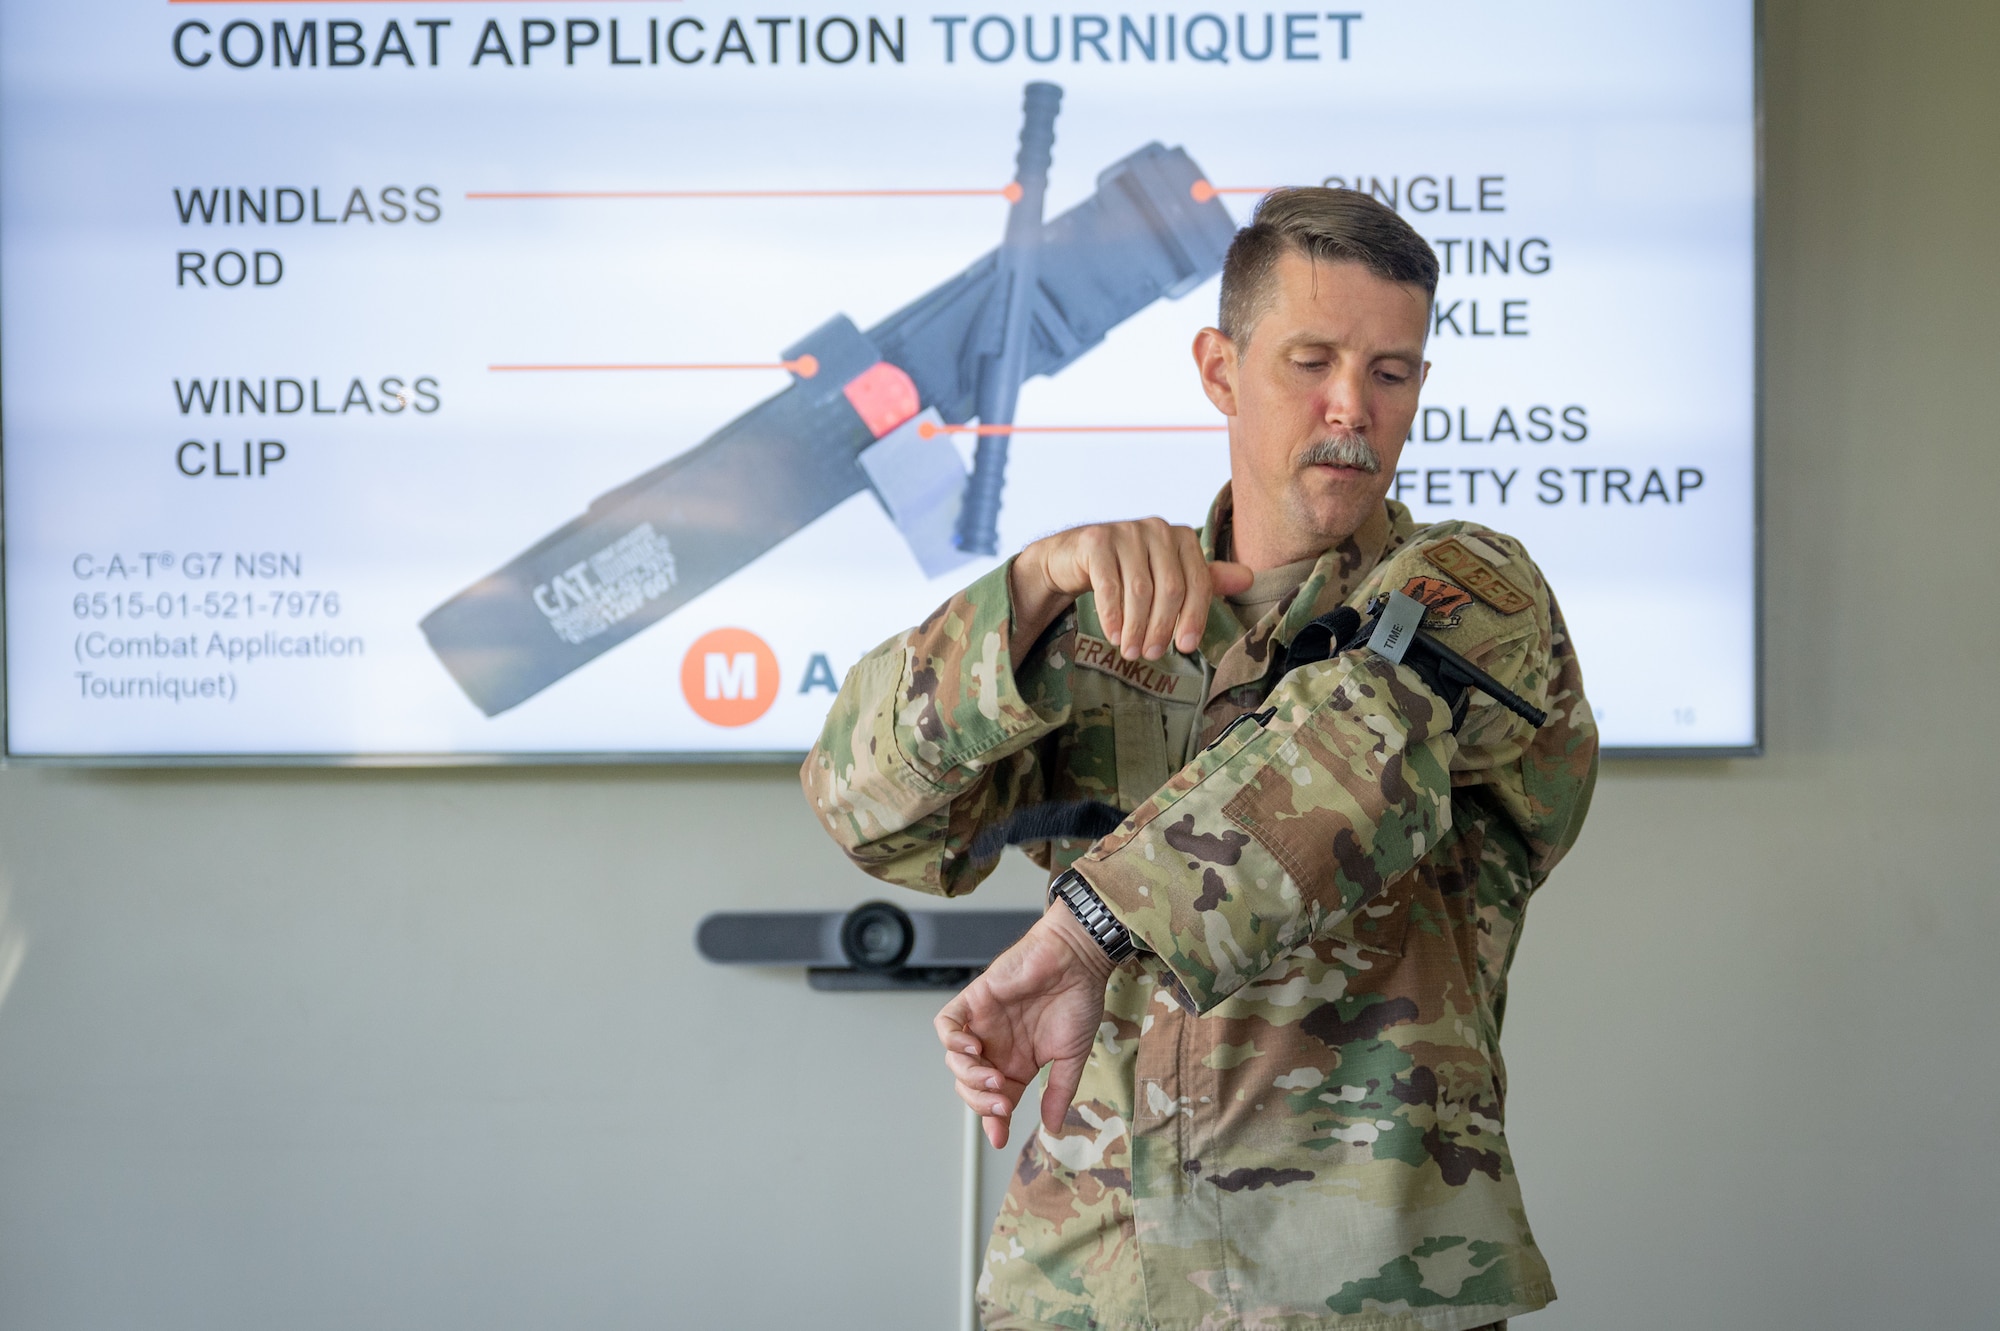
476 379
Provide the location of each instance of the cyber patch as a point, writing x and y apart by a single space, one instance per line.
1099 655
1477 576
1443 600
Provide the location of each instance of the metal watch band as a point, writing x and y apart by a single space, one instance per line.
1103 927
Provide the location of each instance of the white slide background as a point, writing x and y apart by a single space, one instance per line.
1620 137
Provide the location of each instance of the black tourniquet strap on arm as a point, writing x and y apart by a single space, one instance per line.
1444 672
1083 820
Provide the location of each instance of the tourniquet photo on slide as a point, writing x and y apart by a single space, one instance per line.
865 411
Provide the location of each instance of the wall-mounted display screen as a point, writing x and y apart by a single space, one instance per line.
483 379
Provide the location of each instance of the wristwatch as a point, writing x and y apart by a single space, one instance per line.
1096 918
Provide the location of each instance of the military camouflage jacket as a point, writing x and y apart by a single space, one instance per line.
1292 1115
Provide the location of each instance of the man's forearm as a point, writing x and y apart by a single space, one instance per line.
1284 828
913 756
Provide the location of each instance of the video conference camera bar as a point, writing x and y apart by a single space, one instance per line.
874 946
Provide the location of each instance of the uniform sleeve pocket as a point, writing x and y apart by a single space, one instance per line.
1139 736
1242 748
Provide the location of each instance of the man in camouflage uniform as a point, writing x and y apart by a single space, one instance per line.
1283 1110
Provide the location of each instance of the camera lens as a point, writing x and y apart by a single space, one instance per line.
877 936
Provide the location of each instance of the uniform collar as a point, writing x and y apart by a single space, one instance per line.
1241 656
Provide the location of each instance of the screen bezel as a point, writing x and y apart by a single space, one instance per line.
792 758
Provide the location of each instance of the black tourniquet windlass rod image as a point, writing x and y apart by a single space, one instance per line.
859 415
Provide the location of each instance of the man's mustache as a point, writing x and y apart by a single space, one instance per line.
1343 450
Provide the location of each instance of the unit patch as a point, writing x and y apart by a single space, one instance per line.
1146 676
1443 600
1479 577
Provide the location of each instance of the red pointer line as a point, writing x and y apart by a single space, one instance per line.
1010 193
929 431
1203 191
805 366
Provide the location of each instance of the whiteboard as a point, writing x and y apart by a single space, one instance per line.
471 381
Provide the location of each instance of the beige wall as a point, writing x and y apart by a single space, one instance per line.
371 1050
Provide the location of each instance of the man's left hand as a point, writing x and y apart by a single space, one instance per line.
1039 1004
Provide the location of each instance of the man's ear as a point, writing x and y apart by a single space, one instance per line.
1424 375
1215 360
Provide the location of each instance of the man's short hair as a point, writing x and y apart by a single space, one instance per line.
1335 225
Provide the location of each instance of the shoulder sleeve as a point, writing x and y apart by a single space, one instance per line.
1283 828
1541 779
933 737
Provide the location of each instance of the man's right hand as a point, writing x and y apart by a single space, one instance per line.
1038 1005
1150 580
